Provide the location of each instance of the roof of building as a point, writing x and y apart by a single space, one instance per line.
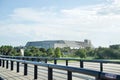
66 43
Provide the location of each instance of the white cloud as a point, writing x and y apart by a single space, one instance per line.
69 24
116 2
112 8
30 14
26 14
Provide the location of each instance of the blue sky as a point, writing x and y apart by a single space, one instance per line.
27 20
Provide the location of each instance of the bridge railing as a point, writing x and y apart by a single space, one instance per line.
81 62
97 74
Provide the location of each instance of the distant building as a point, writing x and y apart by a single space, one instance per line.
60 44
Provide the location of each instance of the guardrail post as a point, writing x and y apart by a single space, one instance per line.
81 64
50 73
98 77
23 58
7 64
69 75
66 62
0 62
55 61
101 66
32 59
3 63
45 60
17 66
35 59
35 71
25 69
12 65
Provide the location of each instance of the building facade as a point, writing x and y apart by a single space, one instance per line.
60 44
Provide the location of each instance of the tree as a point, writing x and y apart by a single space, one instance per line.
28 53
33 51
50 52
81 53
43 50
6 50
108 53
115 46
66 49
90 51
58 52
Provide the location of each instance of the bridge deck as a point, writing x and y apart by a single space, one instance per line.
7 74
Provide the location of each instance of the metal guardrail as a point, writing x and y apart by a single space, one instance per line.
97 74
49 66
46 59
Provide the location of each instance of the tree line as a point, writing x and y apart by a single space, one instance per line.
113 52
30 51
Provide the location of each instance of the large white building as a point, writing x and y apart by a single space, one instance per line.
60 43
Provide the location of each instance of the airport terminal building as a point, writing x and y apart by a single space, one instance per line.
60 43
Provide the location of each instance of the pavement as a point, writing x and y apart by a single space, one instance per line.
7 74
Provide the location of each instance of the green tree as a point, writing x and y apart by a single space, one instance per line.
66 49
81 53
90 52
115 46
6 50
108 53
28 53
33 51
43 50
58 52
50 52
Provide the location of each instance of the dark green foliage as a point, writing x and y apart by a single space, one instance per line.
33 51
6 50
9 50
50 52
81 53
90 51
115 46
113 52
58 52
108 53
66 49
43 50
27 52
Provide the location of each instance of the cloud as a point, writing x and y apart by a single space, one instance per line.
112 8
116 2
30 14
94 22
26 14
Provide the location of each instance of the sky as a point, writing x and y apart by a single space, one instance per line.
36 20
